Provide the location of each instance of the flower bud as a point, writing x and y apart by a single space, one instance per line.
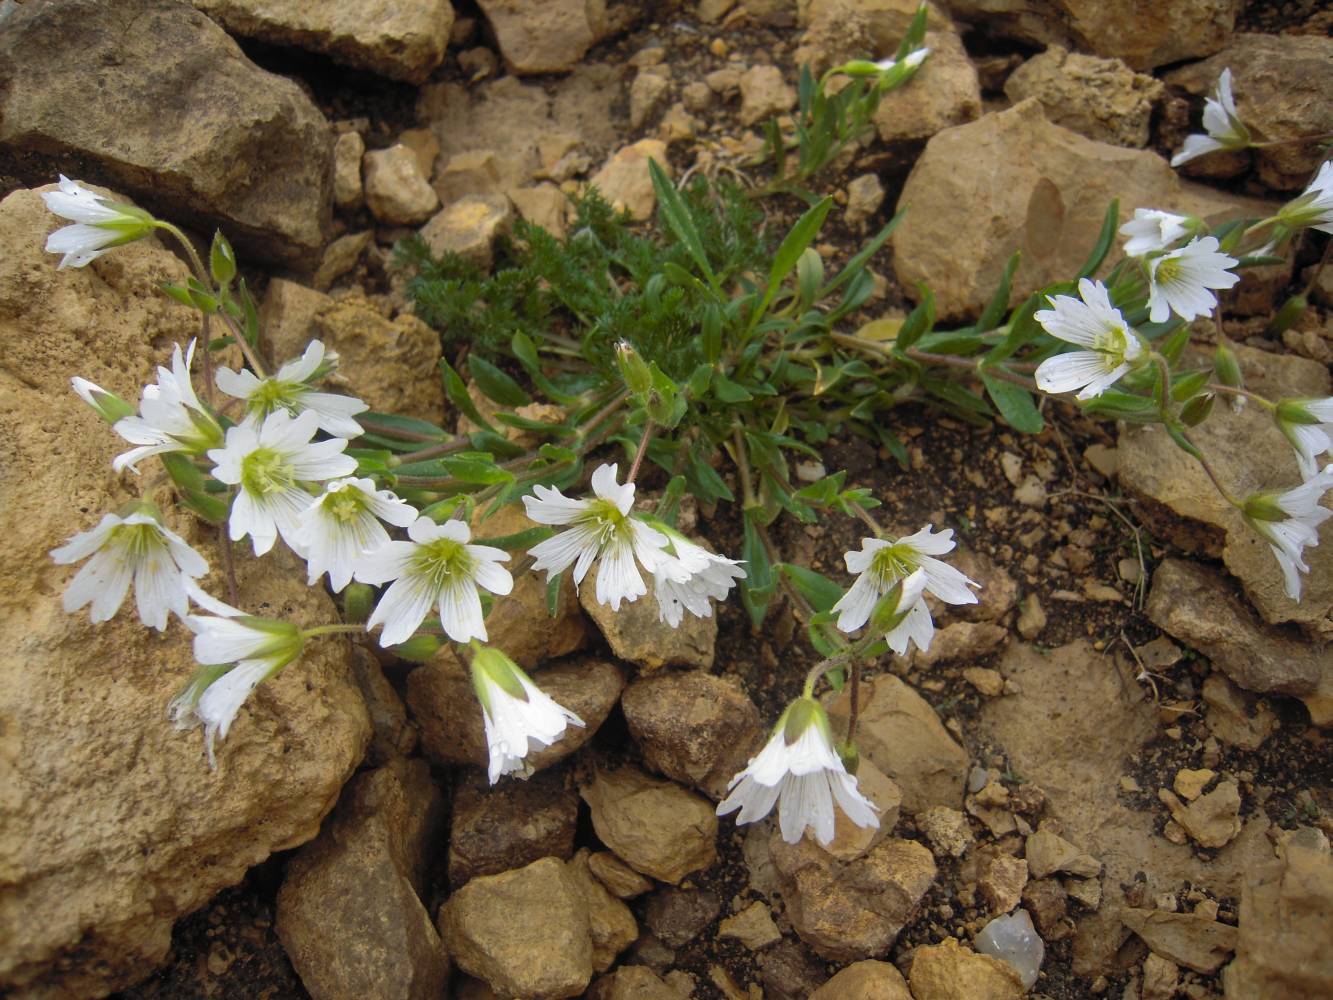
108 405
1197 410
633 369
1286 316
418 649
1227 367
358 602
222 260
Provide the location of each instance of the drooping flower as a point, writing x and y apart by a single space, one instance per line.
690 578
108 405
1179 281
343 525
1308 425
1224 127
291 390
236 652
134 547
1314 206
1151 230
437 568
170 418
902 616
1089 321
601 526
800 771
1289 523
99 224
520 718
271 463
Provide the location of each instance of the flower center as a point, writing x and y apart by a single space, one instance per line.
1169 270
892 563
444 561
266 471
1112 340
138 541
273 395
605 518
346 505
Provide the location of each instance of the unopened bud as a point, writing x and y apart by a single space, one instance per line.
358 601
108 405
1227 367
633 369
418 649
1197 410
1286 316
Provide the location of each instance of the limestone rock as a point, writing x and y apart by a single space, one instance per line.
655 827
349 912
648 94
1045 190
1286 907
632 982
403 41
904 737
693 727
764 93
179 118
865 196
851 841
424 145
114 825
867 980
543 36
946 829
384 361
1048 853
624 180
678 916
348 190
1196 942
1002 882
636 632
392 736
753 927
474 171
286 317
839 30
469 228
544 205
943 93
1211 820
494 829
1229 717
441 699
1282 86
853 910
1102 99
525 932
397 191
610 921
951 971
618 877
339 257
1144 35
962 641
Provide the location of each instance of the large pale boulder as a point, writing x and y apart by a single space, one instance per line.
397 39
153 97
114 825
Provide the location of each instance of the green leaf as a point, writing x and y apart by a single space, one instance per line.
526 352
1188 385
398 427
999 302
802 234
1104 240
1014 403
519 539
456 389
553 595
920 322
857 264
495 383
705 483
819 590
672 208
759 584
728 391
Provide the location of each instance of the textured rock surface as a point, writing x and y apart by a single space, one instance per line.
403 41
1196 942
397 190
951 971
494 829
868 980
524 932
636 632
624 180
901 733
610 922
1102 99
764 93
632 982
179 117
543 36
469 227
441 699
693 727
114 825
943 93
349 913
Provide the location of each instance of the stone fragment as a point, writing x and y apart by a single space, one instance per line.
753 927
904 737
348 192
1032 619
655 827
339 257
494 829
396 189
610 921
951 971
622 880
962 641
624 180
943 93
678 916
636 633
851 841
1048 853
349 913
865 196
632 982
1211 820
392 736
179 118
1161 978
947 830
841 30
474 171
469 228
383 360
851 910
544 205
764 93
543 36
866 980
1282 86
403 41
1002 882
441 699
1189 783
697 96
1014 940
425 147
987 682
786 972
1102 99
648 95
677 125
997 591
1084 891
525 932
1045 899
286 317
693 727
1229 717
1198 943
103 797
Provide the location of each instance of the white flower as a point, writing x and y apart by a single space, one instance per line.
600 526
136 547
1314 206
881 563
801 772
911 61
1289 522
1179 281
290 390
437 568
343 525
99 224
1225 129
259 648
271 463
1151 230
913 625
1308 425
690 578
1092 323
170 419
520 717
